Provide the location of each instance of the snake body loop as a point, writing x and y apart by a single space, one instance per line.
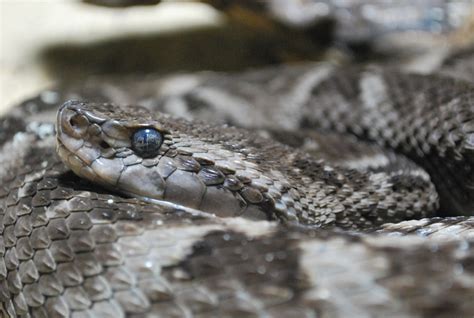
270 219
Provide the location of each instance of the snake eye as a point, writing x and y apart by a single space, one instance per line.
146 142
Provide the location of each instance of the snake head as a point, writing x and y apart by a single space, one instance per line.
102 143
157 157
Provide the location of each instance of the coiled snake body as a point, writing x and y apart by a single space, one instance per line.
220 221
334 198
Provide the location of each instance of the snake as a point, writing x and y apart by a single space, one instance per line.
297 190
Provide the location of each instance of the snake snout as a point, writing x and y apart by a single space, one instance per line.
96 144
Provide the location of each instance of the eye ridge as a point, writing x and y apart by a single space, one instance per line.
146 142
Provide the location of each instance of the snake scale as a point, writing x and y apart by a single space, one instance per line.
307 190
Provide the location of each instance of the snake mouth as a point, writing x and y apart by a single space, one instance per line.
67 146
75 162
71 129
79 167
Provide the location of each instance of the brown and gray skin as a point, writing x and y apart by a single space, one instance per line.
232 172
69 248
428 118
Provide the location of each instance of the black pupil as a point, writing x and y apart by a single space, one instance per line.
147 142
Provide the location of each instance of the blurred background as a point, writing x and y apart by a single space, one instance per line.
43 42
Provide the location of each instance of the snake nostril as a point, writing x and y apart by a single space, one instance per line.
104 145
73 122
78 122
